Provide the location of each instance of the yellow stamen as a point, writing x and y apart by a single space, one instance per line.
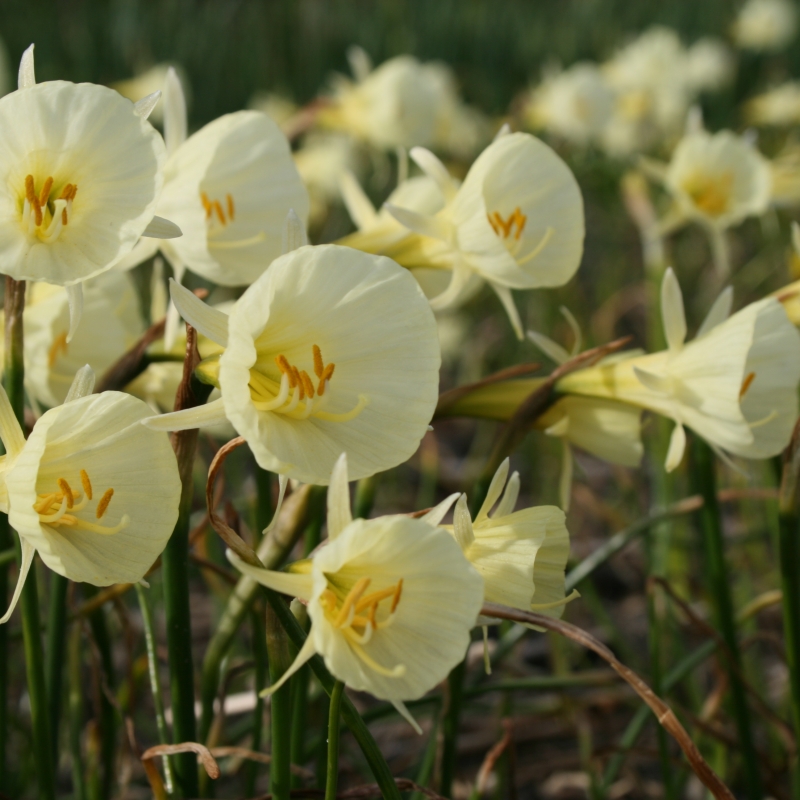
64 219
746 383
206 204
66 490
86 483
231 207
102 506
30 193
327 374
319 364
397 594
59 346
44 195
352 598
307 385
373 598
516 222
220 213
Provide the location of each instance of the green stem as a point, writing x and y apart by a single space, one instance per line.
55 651
14 382
789 548
719 578
108 719
450 723
428 761
75 716
281 708
261 673
365 497
332 770
6 557
351 717
155 682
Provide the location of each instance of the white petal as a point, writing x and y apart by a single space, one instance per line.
459 282
307 652
10 430
294 233
505 129
462 524
677 446
82 385
75 298
494 491
576 330
339 514
160 228
509 498
672 312
655 383
434 169
28 551
141 251
175 120
208 414
549 347
438 512
507 299
207 320
358 205
283 482
406 715
719 311
419 223
288 583
27 74
144 107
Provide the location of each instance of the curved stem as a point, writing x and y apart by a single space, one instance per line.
55 652
281 708
332 772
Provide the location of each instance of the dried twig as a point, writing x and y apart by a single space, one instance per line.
209 763
482 778
662 711
261 758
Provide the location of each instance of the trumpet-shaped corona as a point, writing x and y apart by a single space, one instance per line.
331 350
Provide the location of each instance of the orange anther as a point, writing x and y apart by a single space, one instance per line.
220 213
30 194
397 593
520 219
102 506
44 195
493 224
515 219
231 207
326 376
307 385
299 383
66 490
746 383
319 365
86 483
64 218
206 204
37 210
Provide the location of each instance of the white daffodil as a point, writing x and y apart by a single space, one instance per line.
710 65
779 106
575 104
719 179
82 170
92 490
229 187
143 84
735 384
521 555
516 221
111 324
391 600
766 25
331 350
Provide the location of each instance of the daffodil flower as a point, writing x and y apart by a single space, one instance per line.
82 170
331 350
735 384
516 221
229 187
111 323
520 555
391 600
92 490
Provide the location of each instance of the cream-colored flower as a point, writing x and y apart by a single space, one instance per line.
92 490
81 174
111 324
521 555
403 103
767 25
709 65
516 222
719 179
575 104
735 384
330 351
391 600
229 187
779 106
